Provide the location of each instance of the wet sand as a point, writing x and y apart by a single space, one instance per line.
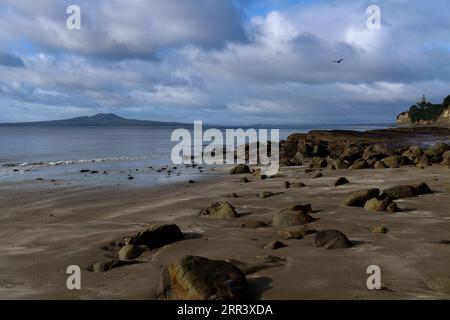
44 228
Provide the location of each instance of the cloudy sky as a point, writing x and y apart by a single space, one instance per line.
222 61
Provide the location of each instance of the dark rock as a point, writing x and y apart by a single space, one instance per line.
360 197
198 278
341 181
332 239
274 245
244 180
287 184
154 236
219 210
400 192
240 169
422 188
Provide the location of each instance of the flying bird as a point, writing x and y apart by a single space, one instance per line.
338 61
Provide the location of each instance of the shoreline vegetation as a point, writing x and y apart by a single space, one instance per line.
342 201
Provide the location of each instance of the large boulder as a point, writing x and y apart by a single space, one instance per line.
332 239
437 150
400 192
393 161
341 181
377 151
423 161
360 197
293 216
240 169
422 188
154 236
413 153
381 205
352 153
446 159
198 278
359 164
219 210
317 163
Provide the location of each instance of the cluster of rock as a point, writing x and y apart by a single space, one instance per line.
374 200
324 150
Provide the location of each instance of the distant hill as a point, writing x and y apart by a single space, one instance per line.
426 113
100 119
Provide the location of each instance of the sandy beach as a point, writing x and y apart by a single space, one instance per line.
44 228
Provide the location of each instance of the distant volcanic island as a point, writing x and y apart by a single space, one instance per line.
425 113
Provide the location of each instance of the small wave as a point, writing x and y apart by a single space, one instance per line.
70 162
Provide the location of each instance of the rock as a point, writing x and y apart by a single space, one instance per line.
233 195
392 208
378 205
259 176
295 232
154 236
377 151
422 188
317 163
338 164
298 185
130 252
270 259
359 164
85 171
299 207
379 165
293 216
413 153
318 175
253 224
198 278
332 239
219 210
407 191
437 150
244 180
287 184
352 153
360 197
109 265
274 245
440 284
446 159
393 161
266 194
424 161
378 229
341 181
240 169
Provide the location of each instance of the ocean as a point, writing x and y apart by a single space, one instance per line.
117 153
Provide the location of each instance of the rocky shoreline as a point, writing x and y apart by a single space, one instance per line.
343 199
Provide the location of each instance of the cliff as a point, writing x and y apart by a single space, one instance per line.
426 113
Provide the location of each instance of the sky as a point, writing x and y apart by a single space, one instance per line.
222 62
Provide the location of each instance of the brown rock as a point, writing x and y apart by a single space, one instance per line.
274 245
198 278
219 210
293 216
341 181
359 198
253 224
332 239
154 236
378 205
